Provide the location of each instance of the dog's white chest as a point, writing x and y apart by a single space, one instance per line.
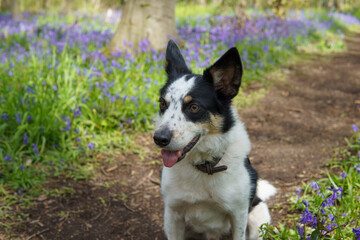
205 201
205 216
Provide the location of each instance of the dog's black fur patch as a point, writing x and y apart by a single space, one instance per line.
253 181
209 92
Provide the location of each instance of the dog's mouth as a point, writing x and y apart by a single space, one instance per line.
170 158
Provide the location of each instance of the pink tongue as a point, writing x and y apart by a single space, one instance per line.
170 157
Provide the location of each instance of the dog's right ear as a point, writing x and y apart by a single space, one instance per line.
175 63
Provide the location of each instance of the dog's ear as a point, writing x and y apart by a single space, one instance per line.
226 74
175 62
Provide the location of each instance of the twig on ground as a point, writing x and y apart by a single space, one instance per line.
103 171
143 179
38 233
111 169
154 181
129 208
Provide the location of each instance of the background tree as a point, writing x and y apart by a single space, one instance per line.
154 20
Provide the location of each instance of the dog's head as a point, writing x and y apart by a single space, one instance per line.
194 106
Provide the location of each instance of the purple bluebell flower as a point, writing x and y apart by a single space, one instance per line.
306 217
35 149
306 203
91 146
30 90
322 211
78 139
26 138
314 185
298 192
330 226
77 112
331 217
5 116
18 118
355 128
344 214
300 230
54 87
343 174
51 162
68 124
29 118
357 233
76 130
21 167
7 158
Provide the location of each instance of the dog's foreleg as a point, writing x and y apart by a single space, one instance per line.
174 224
238 224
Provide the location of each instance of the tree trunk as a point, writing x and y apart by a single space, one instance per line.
15 10
5 5
154 20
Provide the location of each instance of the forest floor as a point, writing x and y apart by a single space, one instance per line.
294 129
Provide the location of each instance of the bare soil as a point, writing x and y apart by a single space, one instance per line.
293 130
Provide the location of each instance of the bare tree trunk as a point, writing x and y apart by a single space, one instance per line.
154 20
15 10
5 5
339 5
201 2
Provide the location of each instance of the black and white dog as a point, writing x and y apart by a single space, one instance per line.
208 185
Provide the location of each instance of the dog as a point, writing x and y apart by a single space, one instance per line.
209 187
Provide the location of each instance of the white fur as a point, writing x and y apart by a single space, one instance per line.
211 204
265 190
258 216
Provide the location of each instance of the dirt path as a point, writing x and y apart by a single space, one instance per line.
293 131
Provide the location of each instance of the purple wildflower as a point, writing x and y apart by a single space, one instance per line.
51 162
26 138
30 90
54 87
78 139
77 112
5 117
91 146
343 174
35 149
298 191
7 158
314 185
306 217
29 119
357 233
21 167
355 128
18 118
68 124
330 226
300 230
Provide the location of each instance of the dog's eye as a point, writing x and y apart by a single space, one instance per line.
194 107
163 105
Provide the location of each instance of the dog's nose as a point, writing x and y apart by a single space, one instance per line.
162 138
